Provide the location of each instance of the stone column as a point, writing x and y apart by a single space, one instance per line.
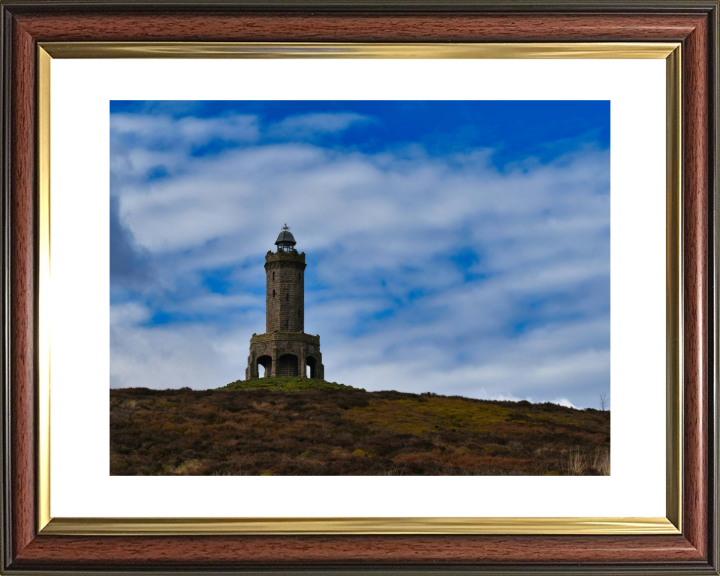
249 369
274 356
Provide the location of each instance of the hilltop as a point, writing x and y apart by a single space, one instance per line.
297 426
286 383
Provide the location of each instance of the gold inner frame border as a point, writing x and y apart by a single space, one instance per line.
671 524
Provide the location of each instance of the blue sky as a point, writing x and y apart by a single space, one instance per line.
454 247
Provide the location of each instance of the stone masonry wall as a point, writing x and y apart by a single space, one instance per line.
289 355
285 292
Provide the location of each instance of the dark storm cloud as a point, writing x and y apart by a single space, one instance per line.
129 262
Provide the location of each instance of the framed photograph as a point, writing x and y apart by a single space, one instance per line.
296 287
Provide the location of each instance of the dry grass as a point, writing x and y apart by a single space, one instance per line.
579 462
601 461
574 463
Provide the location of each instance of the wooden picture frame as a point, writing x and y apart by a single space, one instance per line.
29 547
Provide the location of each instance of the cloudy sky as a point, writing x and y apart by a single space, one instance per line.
452 247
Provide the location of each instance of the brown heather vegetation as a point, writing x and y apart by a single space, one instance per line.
348 432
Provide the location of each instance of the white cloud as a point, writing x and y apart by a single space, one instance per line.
173 356
128 314
152 130
563 402
307 126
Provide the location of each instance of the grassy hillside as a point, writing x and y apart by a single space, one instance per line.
295 426
286 383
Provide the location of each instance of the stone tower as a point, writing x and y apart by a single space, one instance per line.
285 349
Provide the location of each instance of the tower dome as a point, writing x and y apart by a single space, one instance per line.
285 240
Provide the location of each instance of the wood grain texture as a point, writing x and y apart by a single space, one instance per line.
665 553
358 28
22 293
696 197
223 551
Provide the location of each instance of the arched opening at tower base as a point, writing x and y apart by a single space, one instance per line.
311 367
287 365
266 363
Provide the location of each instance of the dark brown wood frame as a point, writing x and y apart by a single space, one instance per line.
694 23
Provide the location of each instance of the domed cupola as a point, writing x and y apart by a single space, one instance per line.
285 241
